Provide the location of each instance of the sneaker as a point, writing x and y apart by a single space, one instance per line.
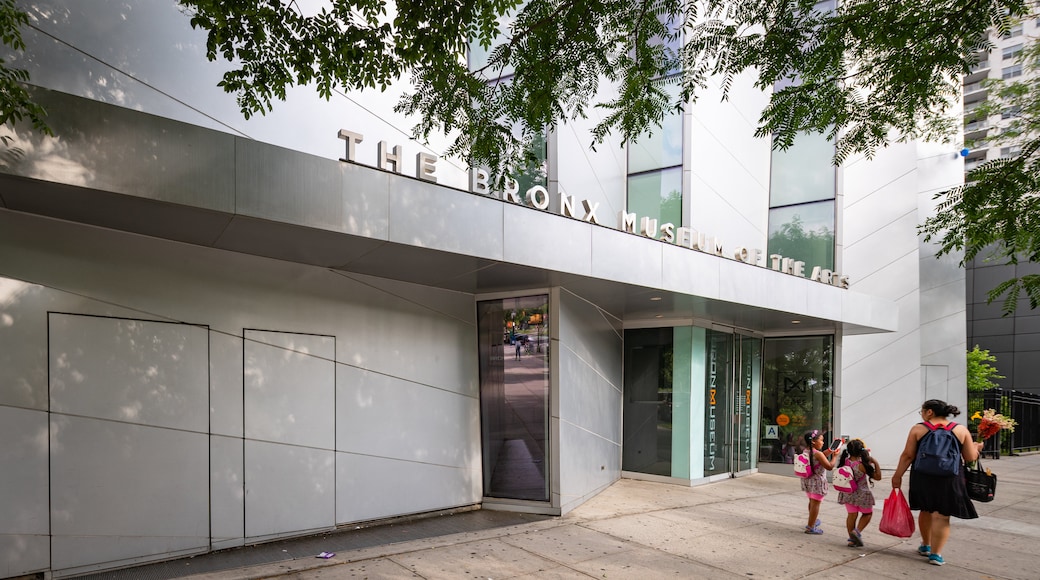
935 559
856 539
925 550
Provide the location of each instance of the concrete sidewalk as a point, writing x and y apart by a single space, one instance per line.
749 527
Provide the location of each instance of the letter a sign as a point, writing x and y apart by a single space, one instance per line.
772 432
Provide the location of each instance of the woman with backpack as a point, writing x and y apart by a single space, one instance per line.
815 485
859 502
937 448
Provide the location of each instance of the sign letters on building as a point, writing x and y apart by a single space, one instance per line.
537 197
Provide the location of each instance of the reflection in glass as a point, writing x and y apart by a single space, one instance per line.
796 394
659 147
749 371
514 396
657 195
804 232
648 401
804 172
719 419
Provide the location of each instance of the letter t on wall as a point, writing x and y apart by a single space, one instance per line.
352 139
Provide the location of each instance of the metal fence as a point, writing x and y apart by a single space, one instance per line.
1022 407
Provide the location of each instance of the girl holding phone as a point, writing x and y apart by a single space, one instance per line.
815 486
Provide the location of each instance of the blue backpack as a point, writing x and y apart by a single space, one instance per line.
939 451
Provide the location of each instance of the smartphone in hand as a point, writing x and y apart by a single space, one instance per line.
836 444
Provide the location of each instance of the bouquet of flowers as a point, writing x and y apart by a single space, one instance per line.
991 422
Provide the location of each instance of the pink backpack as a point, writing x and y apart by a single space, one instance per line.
845 479
801 465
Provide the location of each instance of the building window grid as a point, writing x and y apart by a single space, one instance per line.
1011 72
1011 52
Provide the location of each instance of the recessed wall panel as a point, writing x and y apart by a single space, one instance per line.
24 528
124 492
225 383
375 487
290 388
384 416
135 371
227 492
289 490
23 358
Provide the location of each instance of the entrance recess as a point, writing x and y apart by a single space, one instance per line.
514 396
691 402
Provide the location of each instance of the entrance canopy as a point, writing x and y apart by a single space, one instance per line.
120 169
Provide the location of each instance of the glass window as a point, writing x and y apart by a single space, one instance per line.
797 394
1012 51
657 195
1010 72
804 172
514 396
1015 31
649 389
661 146
804 232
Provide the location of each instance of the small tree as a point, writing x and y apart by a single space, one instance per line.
981 375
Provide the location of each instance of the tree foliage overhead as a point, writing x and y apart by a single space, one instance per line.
870 72
981 375
995 215
15 102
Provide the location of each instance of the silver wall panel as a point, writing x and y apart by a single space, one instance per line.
745 284
284 186
58 65
383 416
227 492
24 494
685 270
124 493
587 417
625 257
134 371
225 384
290 386
425 215
375 487
592 463
189 165
23 334
289 490
592 335
588 399
557 243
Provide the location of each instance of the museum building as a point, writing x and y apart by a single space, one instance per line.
216 332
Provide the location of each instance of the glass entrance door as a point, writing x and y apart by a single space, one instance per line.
514 396
732 391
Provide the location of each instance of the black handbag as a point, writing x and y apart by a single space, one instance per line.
981 483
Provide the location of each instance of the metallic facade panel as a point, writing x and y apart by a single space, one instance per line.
145 156
225 384
285 186
144 497
135 371
227 492
588 465
690 272
625 257
369 403
289 489
591 335
24 493
23 359
429 216
542 240
290 384
376 487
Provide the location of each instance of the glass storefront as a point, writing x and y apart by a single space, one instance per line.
691 399
797 394
514 396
